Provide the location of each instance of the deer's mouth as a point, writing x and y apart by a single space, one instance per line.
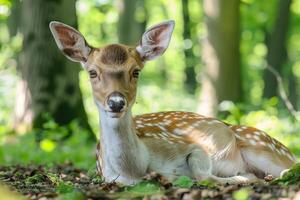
113 114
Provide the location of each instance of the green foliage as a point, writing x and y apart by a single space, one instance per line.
207 183
26 149
141 189
62 187
54 178
183 182
34 179
74 195
242 194
65 187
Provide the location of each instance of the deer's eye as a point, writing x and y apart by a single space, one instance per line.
93 74
136 73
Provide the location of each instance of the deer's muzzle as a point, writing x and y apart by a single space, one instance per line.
116 102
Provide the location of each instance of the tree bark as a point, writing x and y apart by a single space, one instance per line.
52 80
190 75
221 76
277 50
129 29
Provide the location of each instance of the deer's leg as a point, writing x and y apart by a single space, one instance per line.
200 164
201 167
243 178
264 164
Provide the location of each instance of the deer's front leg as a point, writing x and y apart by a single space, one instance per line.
200 164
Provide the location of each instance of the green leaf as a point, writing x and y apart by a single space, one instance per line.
207 183
242 194
54 178
144 188
65 187
34 179
184 182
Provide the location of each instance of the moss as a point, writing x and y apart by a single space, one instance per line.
37 178
292 177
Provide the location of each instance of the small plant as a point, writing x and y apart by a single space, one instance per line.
34 179
62 187
183 182
208 184
144 188
65 187
242 194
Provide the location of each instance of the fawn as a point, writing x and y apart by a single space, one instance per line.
169 143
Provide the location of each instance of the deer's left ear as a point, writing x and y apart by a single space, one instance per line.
70 42
155 40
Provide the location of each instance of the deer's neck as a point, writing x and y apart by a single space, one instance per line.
124 155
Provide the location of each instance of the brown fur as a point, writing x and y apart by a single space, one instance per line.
114 54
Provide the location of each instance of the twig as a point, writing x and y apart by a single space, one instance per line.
282 93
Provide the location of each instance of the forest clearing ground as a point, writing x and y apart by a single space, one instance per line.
68 182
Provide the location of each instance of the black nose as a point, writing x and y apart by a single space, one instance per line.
116 101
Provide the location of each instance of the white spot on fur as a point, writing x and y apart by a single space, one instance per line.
138 121
164 134
273 146
290 157
140 126
262 143
282 151
256 133
256 137
178 131
167 122
252 142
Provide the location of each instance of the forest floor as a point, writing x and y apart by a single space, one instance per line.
68 182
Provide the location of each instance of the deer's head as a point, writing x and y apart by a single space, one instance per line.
113 69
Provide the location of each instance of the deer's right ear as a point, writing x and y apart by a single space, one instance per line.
70 42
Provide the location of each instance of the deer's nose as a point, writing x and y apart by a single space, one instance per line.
116 102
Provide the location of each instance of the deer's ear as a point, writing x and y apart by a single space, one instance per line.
155 40
70 42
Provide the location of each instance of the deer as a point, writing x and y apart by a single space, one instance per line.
172 143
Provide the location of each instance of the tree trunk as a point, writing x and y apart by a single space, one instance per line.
52 80
190 75
129 29
221 77
277 51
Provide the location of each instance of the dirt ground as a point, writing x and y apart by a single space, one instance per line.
67 182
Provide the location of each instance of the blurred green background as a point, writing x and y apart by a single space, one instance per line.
216 65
